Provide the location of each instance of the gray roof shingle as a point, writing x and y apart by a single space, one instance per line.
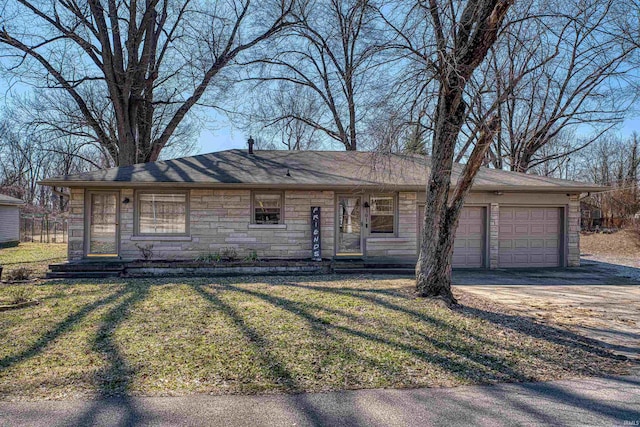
8 200
304 169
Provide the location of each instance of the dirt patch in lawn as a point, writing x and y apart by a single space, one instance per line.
272 335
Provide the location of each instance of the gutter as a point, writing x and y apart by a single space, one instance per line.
327 187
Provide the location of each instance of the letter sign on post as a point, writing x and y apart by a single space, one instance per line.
316 250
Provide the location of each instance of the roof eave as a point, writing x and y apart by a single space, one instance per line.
343 187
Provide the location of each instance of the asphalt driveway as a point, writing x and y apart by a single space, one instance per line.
597 300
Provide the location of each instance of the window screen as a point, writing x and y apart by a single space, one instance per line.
162 213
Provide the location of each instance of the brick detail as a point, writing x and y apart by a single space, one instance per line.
494 234
75 250
573 231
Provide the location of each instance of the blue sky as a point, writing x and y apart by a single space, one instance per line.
224 136
220 139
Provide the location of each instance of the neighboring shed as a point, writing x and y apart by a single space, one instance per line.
9 220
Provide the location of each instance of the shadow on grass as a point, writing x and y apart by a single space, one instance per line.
494 368
276 368
61 328
537 330
520 324
114 405
470 361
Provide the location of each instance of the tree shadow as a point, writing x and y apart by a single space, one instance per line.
538 330
114 381
520 324
276 369
464 368
563 395
61 328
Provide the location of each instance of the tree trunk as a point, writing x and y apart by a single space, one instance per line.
433 270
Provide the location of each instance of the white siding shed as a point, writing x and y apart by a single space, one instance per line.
9 219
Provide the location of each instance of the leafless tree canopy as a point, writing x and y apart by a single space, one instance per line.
563 66
133 69
321 74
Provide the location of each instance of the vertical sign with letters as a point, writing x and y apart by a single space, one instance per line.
316 250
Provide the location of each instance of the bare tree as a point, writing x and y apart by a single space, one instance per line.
27 158
577 63
134 70
460 34
273 117
330 54
614 162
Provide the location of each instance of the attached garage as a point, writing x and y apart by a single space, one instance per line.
371 203
470 243
530 237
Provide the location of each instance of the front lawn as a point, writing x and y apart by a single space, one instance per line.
281 334
34 256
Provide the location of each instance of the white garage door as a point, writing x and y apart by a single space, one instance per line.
468 248
529 237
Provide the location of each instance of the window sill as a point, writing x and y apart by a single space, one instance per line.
268 226
389 239
161 237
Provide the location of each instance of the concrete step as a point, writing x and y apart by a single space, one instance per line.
81 274
73 267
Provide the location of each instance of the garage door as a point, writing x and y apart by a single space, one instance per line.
529 237
468 248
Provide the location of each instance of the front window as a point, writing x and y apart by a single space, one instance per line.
382 213
162 213
267 208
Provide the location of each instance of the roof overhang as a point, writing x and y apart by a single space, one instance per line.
325 187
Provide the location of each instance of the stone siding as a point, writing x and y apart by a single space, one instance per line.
573 227
405 244
494 234
75 248
221 219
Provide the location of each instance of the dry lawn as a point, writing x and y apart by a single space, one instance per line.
34 256
623 244
281 334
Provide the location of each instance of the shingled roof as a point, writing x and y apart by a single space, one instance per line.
8 200
305 170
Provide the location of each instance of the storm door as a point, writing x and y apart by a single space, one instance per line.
103 224
349 239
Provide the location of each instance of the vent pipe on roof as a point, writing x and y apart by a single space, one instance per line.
250 142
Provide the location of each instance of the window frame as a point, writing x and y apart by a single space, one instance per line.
137 210
252 213
395 215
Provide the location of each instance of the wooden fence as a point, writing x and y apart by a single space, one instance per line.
43 229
